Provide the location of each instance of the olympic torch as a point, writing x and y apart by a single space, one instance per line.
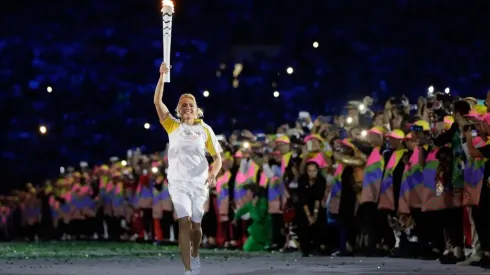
167 12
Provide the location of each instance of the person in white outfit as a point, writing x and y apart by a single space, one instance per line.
189 176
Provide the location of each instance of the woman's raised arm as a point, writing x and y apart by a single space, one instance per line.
162 110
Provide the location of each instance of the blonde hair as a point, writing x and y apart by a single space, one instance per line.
199 113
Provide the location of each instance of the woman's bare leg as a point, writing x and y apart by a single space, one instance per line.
196 237
185 241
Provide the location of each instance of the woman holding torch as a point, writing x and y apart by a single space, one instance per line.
188 177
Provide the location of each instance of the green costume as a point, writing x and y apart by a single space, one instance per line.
259 231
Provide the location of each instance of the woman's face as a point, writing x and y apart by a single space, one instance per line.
312 171
410 144
187 109
283 147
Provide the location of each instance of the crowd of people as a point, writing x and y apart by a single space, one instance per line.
99 69
408 181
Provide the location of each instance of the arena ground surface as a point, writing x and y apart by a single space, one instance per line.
112 258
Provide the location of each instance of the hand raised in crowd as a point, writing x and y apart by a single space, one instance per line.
317 122
304 151
248 134
283 129
164 69
439 126
323 127
312 219
421 101
317 147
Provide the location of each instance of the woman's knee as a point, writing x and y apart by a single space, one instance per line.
184 224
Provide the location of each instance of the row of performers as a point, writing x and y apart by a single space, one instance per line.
426 188
407 180
83 204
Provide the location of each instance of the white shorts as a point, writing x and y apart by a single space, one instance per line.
188 198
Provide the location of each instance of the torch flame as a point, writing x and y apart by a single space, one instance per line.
167 3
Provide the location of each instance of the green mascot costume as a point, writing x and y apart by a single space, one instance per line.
259 231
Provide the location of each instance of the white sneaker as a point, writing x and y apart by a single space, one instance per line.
188 272
196 265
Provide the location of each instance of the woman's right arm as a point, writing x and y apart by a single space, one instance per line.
162 110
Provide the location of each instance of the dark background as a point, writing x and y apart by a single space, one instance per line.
101 59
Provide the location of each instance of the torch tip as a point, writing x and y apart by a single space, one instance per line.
167 3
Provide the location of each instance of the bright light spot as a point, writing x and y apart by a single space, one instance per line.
362 107
290 70
43 129
431 89
447 90
49 89
235 83
147 126
154 170
349 120
246 145
315 44
62 170
237 69
205 93
276 94
363 133
124 163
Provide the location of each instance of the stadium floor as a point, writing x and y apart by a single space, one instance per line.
96 258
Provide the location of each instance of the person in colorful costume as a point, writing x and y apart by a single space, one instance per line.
343 200
223 235
259 231
117 200
473 173
65 198
162 209
31 212
246 175
390 188
477 187
371 184
104 203
144 204
210 219
449 183
277 189
270 179
411 189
